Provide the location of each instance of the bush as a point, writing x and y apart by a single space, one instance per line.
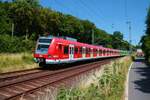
110 85
133 57
15 44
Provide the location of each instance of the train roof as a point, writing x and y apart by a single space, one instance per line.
68 41
81 44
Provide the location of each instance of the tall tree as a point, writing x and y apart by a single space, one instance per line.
5 21
22 14
145 40
148 22
118 35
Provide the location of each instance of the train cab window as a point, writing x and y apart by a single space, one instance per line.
66 50
42 47
45 40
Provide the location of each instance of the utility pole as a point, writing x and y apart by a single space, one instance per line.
130 36
92 36
12 30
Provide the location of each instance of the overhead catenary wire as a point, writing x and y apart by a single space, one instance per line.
57 2
128 22
92 10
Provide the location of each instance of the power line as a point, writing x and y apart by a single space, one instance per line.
128 22
72 11
100 12
125 11
62 5
91 9
130 36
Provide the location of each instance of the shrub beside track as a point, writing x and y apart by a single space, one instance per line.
110 85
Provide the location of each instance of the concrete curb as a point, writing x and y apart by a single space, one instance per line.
127 80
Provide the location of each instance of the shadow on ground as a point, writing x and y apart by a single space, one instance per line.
143 83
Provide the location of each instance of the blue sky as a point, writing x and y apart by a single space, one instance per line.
109 15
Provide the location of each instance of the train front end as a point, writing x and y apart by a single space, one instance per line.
42 49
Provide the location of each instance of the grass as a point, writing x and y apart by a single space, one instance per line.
14 62
110 85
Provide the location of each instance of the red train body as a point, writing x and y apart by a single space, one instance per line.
53 50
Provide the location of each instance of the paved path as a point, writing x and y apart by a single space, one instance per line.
139 81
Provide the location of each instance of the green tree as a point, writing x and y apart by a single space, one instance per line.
145 40
5 21
88 30
22 15
118 35
148 22
31 20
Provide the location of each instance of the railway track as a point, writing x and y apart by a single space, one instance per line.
14 86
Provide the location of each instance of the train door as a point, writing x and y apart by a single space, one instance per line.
71 52
97 52
91 53
83 52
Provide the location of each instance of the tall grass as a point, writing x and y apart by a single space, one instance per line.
17 61
110 85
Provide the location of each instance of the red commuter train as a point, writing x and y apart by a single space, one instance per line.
56 50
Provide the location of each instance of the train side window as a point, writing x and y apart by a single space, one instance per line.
80 50
66 49
87 51
104 52
100 51
60 47
83 50
95 51
76 50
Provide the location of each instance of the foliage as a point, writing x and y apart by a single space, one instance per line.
19 61
5 21
145 40
110 85
118 42
15 44
31 20
118 35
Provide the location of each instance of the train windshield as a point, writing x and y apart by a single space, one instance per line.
43 45
45 40
42 48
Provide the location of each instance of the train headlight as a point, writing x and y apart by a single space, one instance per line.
40 55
